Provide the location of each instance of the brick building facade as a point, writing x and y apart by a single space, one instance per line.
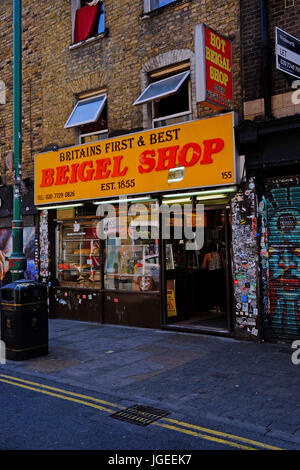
285 17
137 43
269 137
55 70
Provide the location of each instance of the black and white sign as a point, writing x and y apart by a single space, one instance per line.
287 53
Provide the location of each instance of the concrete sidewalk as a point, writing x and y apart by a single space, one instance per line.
252 386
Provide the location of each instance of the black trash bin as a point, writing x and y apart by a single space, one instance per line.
24 319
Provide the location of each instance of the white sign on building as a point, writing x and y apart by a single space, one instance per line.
287 53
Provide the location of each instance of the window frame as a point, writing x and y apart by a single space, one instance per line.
148 5
131 280
75 5
165 74
182 114
162 95
79 260
104 131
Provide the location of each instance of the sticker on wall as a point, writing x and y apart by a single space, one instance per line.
76 227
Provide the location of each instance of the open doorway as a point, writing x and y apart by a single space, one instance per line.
196 281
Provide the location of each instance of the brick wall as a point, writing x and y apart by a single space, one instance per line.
31 85
286 19
6 71
54 72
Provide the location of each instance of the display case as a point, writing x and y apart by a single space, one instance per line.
132 262
78 253
134 266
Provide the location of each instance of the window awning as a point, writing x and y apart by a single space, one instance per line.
162 88
86 111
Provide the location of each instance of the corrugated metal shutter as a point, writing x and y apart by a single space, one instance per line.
283 222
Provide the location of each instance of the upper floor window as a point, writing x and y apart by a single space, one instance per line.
88 19
89 118
169 98
150 5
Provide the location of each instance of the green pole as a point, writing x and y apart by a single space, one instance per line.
17 261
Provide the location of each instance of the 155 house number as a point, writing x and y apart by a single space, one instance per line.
226 175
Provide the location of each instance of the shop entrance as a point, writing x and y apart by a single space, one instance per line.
197 281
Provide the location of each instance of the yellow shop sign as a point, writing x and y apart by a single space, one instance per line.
190 155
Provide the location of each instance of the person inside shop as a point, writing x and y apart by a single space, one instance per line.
214 264
95 261
116 278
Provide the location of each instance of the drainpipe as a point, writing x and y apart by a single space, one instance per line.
17 260
266 54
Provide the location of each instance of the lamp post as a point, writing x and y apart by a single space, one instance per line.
17 260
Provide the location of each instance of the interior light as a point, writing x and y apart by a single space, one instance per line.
183 199
115 201
231 189
211 196
69 206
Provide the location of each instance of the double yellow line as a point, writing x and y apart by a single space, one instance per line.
167 423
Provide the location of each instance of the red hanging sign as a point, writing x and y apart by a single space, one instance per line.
213 68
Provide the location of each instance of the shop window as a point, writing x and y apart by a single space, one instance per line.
150 5
78 253
94 131
170 98
132 263
89 117
88 19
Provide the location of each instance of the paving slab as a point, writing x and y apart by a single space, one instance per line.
252 384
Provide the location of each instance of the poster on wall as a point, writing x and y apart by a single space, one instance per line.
6 249
213 63
171 302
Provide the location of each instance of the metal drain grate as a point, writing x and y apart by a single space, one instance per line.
140 415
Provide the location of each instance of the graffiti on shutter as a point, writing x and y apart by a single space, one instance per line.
283 219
